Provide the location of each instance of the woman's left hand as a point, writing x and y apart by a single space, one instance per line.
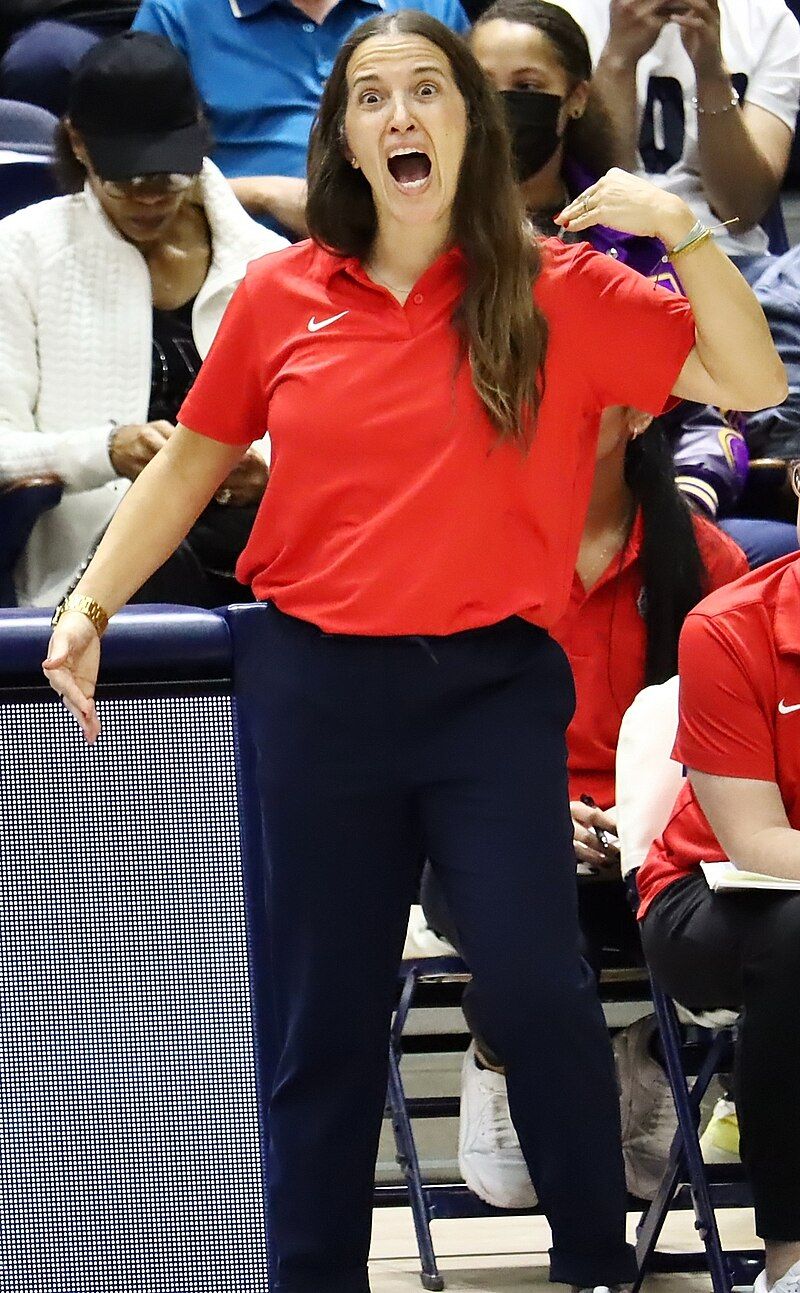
246 483
630 204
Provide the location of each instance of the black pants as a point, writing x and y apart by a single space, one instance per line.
733 951
607 925
372 753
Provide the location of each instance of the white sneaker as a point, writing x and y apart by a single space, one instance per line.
601 1288
489 1153
647 1110
788 1283
720 1140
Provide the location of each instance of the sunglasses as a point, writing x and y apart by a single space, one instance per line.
171 182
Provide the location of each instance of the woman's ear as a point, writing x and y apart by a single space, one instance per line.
346 152
76 143
576 100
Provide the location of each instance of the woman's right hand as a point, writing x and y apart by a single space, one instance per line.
73 659
630 204
586 821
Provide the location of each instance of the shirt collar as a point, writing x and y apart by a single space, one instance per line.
249 8
622 561
787 611
328 264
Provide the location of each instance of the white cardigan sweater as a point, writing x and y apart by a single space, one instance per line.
75 357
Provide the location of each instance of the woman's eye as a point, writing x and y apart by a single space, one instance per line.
427 89
369 98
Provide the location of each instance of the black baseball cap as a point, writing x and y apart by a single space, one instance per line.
133 101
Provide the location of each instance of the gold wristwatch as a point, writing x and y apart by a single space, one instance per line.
87 606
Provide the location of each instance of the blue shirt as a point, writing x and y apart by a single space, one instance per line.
260 66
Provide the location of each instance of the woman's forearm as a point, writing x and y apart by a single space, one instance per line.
749 819
738 181
733 340
774 851
155 515
615 82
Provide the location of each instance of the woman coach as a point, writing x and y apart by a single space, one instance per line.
433 424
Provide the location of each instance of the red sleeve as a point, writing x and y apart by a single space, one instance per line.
723 559
723 727
632 336
229 400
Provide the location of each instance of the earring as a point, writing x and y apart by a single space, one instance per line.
354 164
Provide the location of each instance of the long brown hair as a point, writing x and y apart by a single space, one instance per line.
69 171
589 140
503 331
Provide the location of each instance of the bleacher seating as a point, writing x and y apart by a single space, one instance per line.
26 154
21 504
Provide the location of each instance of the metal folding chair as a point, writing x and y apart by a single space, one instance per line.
401 1109
647 784
450 1200
707 1186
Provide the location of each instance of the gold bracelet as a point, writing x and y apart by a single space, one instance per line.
87 606
681 250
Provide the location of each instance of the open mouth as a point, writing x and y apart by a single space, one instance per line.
409 168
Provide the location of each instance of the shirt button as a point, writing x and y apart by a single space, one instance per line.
419 298
309 26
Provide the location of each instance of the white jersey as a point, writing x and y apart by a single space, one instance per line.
761 48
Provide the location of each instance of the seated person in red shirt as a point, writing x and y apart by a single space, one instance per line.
739 739
644 562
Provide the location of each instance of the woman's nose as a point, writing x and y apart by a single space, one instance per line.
401 116
152 197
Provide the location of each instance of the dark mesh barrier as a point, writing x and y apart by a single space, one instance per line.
129 1144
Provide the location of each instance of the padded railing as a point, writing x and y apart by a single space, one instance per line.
131 941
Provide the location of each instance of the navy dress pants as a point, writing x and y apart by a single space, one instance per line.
372 753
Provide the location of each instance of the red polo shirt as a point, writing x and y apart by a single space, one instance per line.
605 638
739 709
392 508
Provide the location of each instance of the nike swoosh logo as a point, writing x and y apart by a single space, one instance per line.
783 708
314 326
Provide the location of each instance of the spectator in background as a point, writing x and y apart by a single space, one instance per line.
775 433
704 96
47 38
645 560
108 299
260 67
537 57
761 523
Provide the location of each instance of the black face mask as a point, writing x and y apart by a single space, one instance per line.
533 122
